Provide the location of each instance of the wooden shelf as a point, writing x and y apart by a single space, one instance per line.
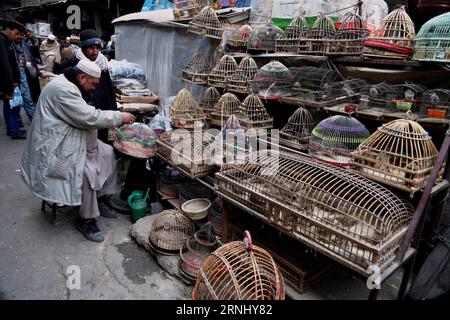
278 55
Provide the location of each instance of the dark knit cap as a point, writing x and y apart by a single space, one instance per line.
89 37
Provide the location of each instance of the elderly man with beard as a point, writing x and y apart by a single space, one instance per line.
50 53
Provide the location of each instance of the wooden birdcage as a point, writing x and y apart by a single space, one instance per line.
262 38
340 214
239 270
239 40
253 114
241 81
433 40
334 138
349 39
436 105
184 9
169 231
215 216
400 154
310 83
289 41
188 152
209 100
206 23
195 251
222 72
197 69
315 39
297 131
394 37
185 112
227 105
272 80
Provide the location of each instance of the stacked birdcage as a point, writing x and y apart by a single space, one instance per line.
187 151
334 138
195 251
227 105
349 39
209 100
310 82
393 38
400 154
215 216
253 114
433 40
169 231
289 41
222 72
262 38
315 39
241 80
348 90
297 131
239 40
206 23
376 99
272 81
185 112
436 105
183 9
239 270
407 106
197 69
339 213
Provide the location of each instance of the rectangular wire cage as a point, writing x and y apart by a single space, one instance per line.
407 105
436 106
310 83
348 90
376 99
343 215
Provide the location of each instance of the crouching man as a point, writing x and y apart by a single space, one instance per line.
63 162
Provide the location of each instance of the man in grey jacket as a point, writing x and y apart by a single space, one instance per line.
63 162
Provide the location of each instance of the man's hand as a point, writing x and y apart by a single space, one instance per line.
127 118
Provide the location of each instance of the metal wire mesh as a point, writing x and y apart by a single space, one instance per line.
263 38
206 23
350 88
222 72
433 40
185 112
197 69
297 131
310 83
241 80
436 105
272 80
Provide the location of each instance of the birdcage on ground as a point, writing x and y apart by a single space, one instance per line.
197 69
349 38
185 112
209 100
253 114
310 83
206 23
227 106
316 39
297 131
433 40
183 9
239 40
242 79
289 40
222 72
262 38
272 81
436 106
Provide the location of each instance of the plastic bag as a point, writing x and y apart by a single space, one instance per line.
17 99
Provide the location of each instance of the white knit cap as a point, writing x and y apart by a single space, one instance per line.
51 37
89 67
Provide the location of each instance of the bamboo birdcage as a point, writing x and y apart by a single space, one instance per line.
215 216
169 231
310 83
289 41
239 40
209 100
197 69
334 138
315 40
436 105
185 112
241 81
297 131
188 152
433 40
272 80
227 105
206 23
239 270
184 9
393 38
340 214
262 38
349 39
400 154
253 114
222 72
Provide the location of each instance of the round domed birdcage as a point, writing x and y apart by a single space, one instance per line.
187 8
334 138
316 39
206 23
349 39
215 216
239 40
197 69
310 83
400 153
263 38
209 100
137 140
253 114
169 231
239 270
227 105
185 112
241 81
297 131
222 72
436 105
433 40
394 37
289 41
272 80
195 251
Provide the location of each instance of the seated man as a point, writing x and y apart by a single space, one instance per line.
63 161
